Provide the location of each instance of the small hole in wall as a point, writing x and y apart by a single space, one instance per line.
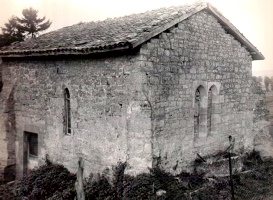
120 104
176 165
176 25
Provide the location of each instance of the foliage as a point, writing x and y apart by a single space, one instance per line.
145 186
11 32
260 108
260 79
16 29
166 181
118 179
193 180
271 83
267 81
142 186
252 159
54 182
50 181
98 189
139 187
256 86
258 180
31 24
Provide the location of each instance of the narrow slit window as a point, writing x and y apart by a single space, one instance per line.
1 86
200 112
67 114
213 110
196 112
209 110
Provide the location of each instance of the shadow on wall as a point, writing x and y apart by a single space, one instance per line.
10 123
271 130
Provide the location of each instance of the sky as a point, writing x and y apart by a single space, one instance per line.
253 18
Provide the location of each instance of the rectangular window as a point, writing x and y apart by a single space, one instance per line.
32 144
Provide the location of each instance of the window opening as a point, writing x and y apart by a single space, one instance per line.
196 112
209 110
32 144
67 114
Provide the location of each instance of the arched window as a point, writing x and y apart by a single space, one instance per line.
196 112
67 112
209 110
200 111
213 109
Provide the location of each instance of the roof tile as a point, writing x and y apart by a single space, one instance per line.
111 32
117 33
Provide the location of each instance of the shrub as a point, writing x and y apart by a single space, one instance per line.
139 187
252 159
98 189
44 182
118 179
145 185
166 181
193 180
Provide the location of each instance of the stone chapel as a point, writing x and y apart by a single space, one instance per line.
154 88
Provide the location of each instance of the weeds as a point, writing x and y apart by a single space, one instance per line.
53 182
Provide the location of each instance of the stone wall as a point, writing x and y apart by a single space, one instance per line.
7 127
197 52
138 108
3 144
110 114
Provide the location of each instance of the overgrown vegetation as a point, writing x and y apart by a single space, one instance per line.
53 181
46 182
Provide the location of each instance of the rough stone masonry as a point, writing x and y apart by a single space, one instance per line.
179 93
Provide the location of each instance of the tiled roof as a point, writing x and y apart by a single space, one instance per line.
111 34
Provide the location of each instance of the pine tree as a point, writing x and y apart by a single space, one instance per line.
31 24
11 32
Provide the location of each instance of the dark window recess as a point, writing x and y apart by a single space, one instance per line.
33 144
209 110
67 112
1 86
196 112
